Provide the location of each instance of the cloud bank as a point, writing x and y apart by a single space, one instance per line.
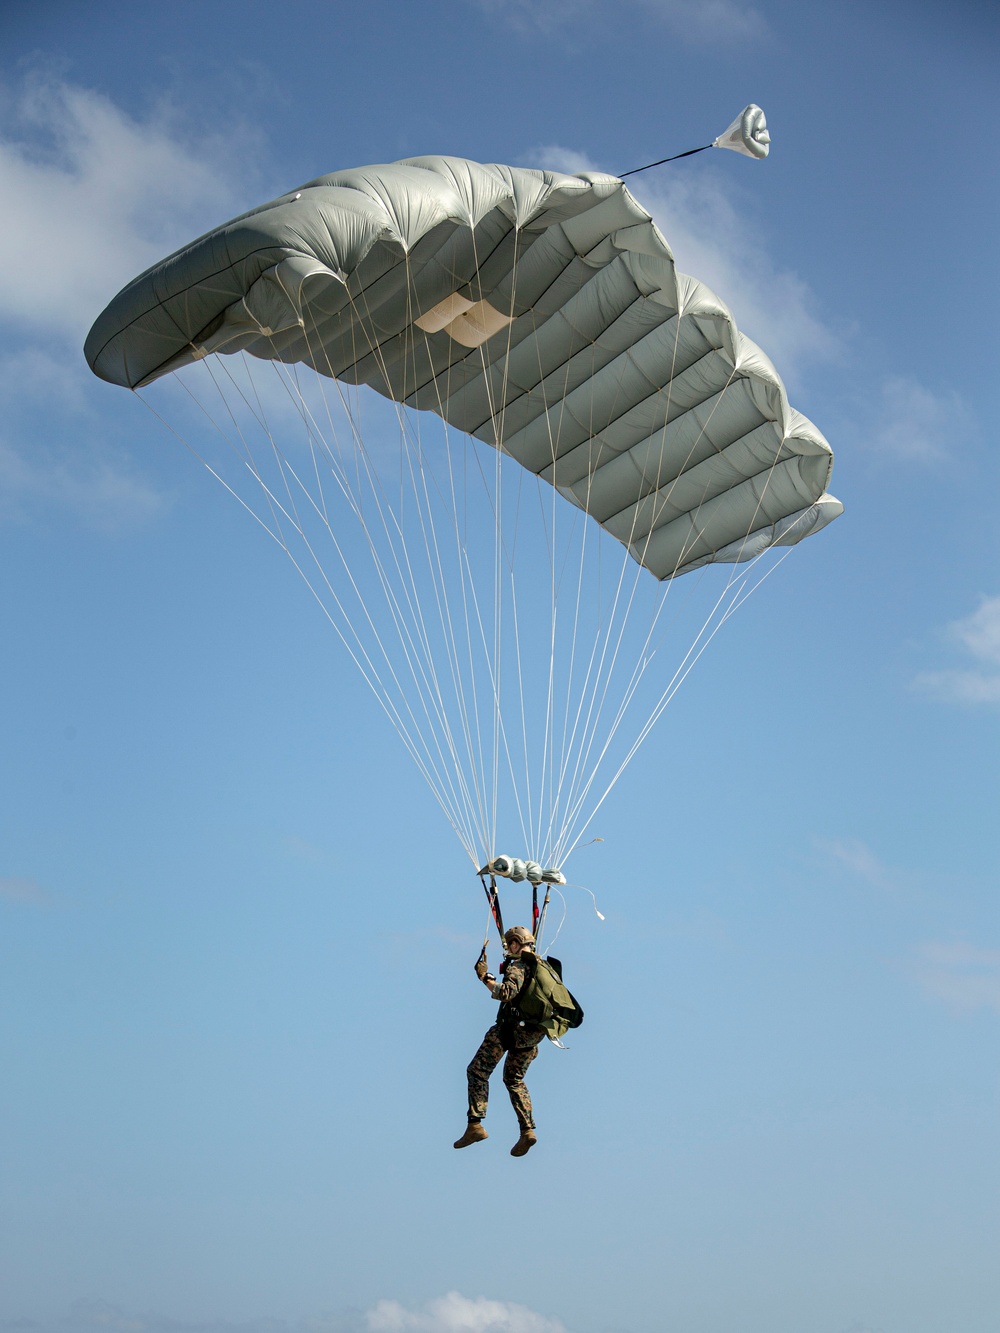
978 637
92 197
914 423
99 488
452 1313
719 23
962 976
17 889
89 197
858 858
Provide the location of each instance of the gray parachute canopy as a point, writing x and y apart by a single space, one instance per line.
539 312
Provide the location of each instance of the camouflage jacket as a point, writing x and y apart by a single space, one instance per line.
508 988
513 1032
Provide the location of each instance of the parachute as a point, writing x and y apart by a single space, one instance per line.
602 429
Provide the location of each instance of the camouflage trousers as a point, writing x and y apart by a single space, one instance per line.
486 1059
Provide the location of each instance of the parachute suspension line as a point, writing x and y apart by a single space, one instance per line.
562 919
530 832
691 657
435 568
355 649
288 470
408 583
643 660
404 634
678 679
424 509
503 558
570 756
550 529
356 504
204 462
469 583
645 656
539 924
500 529
554 438
466 587
469 587
493 898
593 694
591 730
498 421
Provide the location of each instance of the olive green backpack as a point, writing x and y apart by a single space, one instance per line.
545 1002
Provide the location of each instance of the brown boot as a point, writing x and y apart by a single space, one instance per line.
474 1133
527 1140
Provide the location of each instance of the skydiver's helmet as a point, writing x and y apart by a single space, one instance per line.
518 935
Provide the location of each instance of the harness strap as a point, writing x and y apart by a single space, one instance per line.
493 898
540 926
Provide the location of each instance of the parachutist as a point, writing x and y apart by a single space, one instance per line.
510 1034
668 428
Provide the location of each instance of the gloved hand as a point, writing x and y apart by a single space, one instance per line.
481 969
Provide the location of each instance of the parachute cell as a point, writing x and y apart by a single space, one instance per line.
498 297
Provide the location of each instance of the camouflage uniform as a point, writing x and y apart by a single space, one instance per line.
521 1047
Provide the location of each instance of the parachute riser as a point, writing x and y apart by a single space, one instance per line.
493 898
540 926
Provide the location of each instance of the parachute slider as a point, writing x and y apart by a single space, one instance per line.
513 868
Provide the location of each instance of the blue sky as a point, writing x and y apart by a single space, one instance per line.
236 943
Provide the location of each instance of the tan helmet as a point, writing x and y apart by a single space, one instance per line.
518 935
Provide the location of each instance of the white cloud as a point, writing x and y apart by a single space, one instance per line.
914 423
91 196
977 635
961 687
452 1313
96 486
16 889
694 22
713 240
308 851
460 1314
530 16
963 976
707 22
860 860
980 632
